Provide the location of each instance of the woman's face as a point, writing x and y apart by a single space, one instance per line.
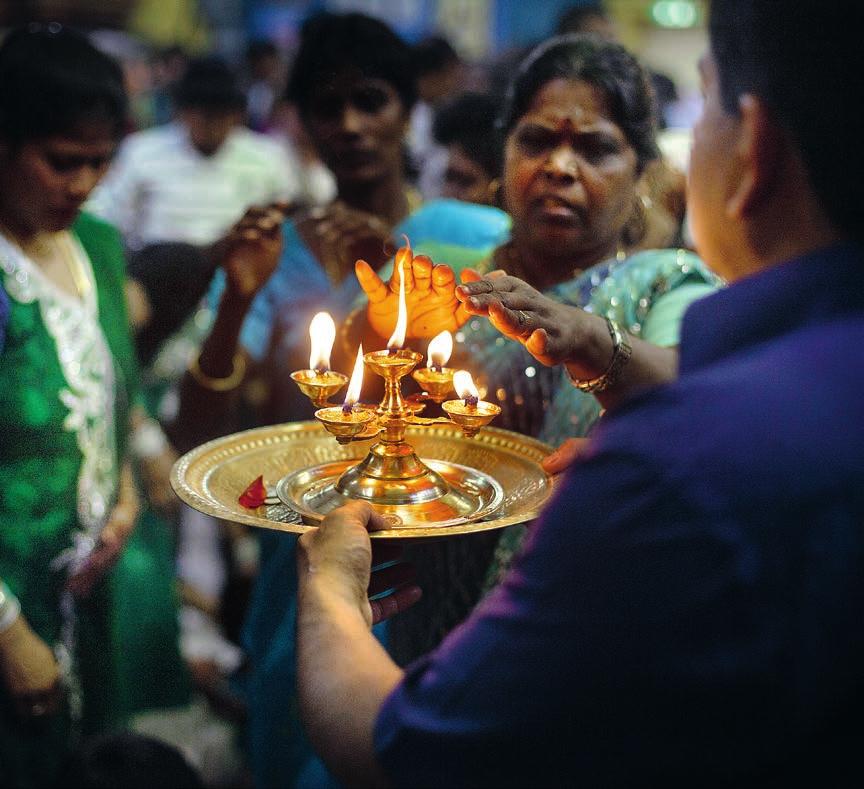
569 175
358 125
44 183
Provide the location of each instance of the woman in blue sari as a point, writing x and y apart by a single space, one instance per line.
579 132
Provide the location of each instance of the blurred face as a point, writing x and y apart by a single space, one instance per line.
208 129
464 179
358 125
43 183
709 173
569 175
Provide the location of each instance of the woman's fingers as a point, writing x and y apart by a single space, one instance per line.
422 269
402 268
392 604
443 279
376 291
507 321
469 275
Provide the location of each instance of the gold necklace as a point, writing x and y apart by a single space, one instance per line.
42 244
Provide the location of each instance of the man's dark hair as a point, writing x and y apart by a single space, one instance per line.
433 54
573 20
209 83
801 60
606 65
52 79
468 120
333 45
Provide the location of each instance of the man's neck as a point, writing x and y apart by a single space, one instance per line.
385 199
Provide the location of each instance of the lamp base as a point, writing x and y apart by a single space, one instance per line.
469 495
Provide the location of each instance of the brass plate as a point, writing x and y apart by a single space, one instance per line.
210 478
473 495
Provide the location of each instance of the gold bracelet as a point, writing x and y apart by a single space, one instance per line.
219 384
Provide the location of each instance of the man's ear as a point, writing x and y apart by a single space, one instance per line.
758 150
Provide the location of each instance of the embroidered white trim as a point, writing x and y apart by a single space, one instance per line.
88 368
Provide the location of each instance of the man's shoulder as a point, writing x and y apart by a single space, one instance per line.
254 146
145 141
783 418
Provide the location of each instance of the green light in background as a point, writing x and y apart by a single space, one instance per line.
675 13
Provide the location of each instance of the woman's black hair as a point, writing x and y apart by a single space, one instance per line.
51 79
606 65
333 44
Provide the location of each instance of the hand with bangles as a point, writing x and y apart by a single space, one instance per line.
339 234
250 250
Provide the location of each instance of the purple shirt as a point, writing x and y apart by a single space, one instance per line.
689 608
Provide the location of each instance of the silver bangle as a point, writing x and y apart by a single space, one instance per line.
10 608
621 352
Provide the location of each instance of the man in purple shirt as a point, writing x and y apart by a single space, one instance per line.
688 609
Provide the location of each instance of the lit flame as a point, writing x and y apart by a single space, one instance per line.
463 383
356 382
322 333
403 260
439 350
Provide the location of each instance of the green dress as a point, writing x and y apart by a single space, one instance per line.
67 378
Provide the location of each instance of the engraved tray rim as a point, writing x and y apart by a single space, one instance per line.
194 468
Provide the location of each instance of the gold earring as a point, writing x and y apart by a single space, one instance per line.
637 225
493 192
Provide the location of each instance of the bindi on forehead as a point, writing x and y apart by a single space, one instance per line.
570 106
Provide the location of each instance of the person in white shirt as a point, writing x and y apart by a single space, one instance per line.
191 179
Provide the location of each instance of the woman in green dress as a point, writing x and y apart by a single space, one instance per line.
67 379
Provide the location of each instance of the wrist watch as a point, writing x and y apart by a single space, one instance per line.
621 353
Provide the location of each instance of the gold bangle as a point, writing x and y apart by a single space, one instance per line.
219 384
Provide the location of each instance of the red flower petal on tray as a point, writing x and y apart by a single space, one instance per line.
254 495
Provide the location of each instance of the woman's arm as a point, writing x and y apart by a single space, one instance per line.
556 333
27 664
208 392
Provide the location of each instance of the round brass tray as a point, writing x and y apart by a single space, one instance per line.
210 478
